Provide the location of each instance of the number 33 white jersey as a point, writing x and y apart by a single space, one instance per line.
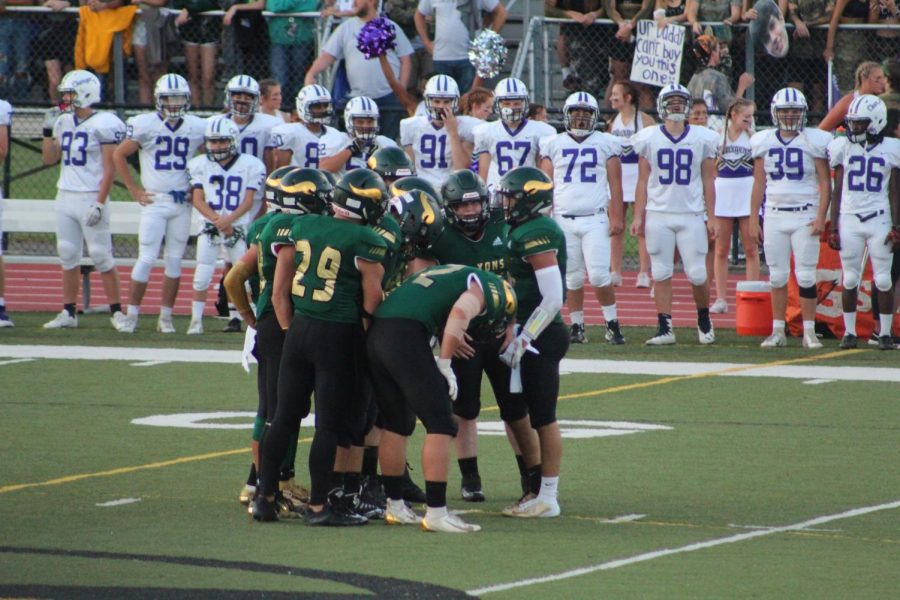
510 148
790 165
165 149
80 144
224 188
675 184
867 173
580 184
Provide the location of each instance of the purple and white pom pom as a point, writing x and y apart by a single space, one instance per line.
376 37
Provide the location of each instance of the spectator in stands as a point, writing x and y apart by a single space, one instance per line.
365 77
477 102
270 99
805 70
891 97
851 42
699 114
581 46
251 35
885 43
725 12
5 112
201 35
16 33
56 44
454 20
626 14
711 84
150 46
98 22
537 112
869 80
293 43
403 12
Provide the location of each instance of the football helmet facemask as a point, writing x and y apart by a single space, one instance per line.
462 190
581 125
314 105
217 130
306 191
511 100
173 96
440 87
789 110
670 98
361 119
420 218
243 85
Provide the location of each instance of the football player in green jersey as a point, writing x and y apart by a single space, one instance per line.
296 192
327 285
536 262
408 184
473 239
392 164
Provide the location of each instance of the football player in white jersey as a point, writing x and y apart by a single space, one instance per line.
512 141
346 151
441 142
790 169
586 170
298 144
83 140
165 141
675 189
5 112
223 183
864 207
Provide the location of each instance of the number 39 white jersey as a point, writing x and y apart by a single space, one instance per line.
165 149
580 185
675 184
510 148
867 173
431 146
224 188
81 145
790 165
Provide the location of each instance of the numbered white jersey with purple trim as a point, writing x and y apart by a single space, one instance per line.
81 144
303 144
675 184
224 187
255 136
510 148
431 146
790 165
165 149
580 185
332 143
867 173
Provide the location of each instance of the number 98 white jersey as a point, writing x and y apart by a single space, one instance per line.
224 188
675 184
580 184
790 165
867 173
510 148
165 150
80 144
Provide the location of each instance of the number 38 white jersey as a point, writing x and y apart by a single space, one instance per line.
165 149
675 184
867 173
790 165
225 187
431 146
510 148
580 185
81 145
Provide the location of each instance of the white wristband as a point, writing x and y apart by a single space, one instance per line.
659 13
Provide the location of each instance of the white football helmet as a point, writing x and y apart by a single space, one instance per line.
361 107
580 126
673 90
84 85
221 128
173 96
242 84
441 86
511 89
311 97
866 118
789 99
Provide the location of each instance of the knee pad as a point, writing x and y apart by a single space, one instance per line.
697 274
172 267
141 270
883 282
102 258
575 280
778 278
69 254
808 291
600 280
203 275
851 280
806 279
661 272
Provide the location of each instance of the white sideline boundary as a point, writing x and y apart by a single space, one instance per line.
647 556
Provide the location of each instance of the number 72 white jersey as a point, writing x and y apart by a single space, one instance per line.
867 173
510 148
580 183
224 188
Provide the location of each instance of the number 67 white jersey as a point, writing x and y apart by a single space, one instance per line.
165 149
867 173
510 148
224 188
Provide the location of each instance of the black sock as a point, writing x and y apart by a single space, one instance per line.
70 308
665 322
370 461
703 320
114 308
321 465
251 479
523 470
534 479
436 493
393 486
351 483
468 467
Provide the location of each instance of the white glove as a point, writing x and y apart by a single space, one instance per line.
247 352
444 366
50 117
514 351
94 214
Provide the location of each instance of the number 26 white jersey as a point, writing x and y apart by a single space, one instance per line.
510 148
867 173
225 187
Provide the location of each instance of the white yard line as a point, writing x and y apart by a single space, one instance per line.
648 556
15 361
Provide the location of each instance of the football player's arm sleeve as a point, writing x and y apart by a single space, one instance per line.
234 284
281 287
550 284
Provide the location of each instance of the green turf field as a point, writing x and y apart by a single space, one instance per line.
709 478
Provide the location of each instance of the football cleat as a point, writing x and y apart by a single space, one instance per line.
165 325
448 523
577 335
886 342
873 339
264 510
708 337
719 306
125 324
642 281
196 327
533 508
363 507
614 333
776 340
294 489
5 321
662 338
62 321
247 494
335 513
470 490
234 326
811 342
373 491
848 342
400 514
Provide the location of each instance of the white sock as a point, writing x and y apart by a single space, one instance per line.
548 488
577 317
233 313
777 326
2 301
133 310
165 312
809 327
886 321
850 322
439 512
610 313
197 310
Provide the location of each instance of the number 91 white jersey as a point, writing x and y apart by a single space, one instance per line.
580 183
675 184
867 173
224 188
431 146
165 150
790 165
510 148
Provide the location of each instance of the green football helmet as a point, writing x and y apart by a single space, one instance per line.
273 186
461 188
420 218
361 193
306 191
331 177
523 193
409 184
391 163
